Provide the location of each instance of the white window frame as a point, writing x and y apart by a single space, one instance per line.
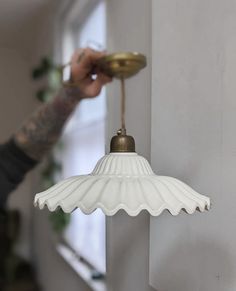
66 16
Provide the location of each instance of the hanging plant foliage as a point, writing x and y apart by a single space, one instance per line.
53 76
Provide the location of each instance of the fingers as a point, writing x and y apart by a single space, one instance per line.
86 56
83 66
103 79
84 62
95 87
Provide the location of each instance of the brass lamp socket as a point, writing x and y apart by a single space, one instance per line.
122 143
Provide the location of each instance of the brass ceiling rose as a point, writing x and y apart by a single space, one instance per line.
122 65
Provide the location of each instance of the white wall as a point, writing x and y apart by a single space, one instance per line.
128 238
16 102
193 117
193 139
53 272
129 29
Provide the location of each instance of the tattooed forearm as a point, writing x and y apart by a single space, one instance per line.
37 136
42 130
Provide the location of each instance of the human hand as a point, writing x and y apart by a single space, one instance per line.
83 67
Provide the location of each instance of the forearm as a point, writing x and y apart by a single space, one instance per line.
42 130
37 136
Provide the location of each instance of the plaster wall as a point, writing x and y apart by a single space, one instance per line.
17 102
129 29
53 272
193 139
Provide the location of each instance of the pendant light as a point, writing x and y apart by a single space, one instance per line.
122 179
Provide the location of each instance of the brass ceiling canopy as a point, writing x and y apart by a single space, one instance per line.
122 65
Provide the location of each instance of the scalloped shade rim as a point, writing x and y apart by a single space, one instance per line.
123 181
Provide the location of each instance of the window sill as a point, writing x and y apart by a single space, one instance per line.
81 268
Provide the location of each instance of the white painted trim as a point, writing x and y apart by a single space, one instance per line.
73 13
81 268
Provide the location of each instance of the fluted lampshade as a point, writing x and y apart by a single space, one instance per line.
123 179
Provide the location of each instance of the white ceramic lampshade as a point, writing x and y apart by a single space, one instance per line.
123 181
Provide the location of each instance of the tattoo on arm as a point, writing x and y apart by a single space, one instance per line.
43 129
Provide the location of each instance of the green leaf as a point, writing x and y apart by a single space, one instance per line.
54 79
37 73
44 95
59 220
46 64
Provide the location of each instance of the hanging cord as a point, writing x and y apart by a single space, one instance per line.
123 97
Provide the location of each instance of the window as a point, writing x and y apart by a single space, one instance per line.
84 138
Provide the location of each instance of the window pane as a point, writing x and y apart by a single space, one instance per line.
84 144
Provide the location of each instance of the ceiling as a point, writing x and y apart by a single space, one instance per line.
19 20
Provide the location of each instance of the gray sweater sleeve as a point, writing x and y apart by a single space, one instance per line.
14 164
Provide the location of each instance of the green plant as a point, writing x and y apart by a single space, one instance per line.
53 76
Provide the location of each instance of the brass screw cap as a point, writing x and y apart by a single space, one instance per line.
122 143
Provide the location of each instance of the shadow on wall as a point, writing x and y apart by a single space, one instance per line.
211 268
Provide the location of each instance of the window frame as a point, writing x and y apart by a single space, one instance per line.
65 19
